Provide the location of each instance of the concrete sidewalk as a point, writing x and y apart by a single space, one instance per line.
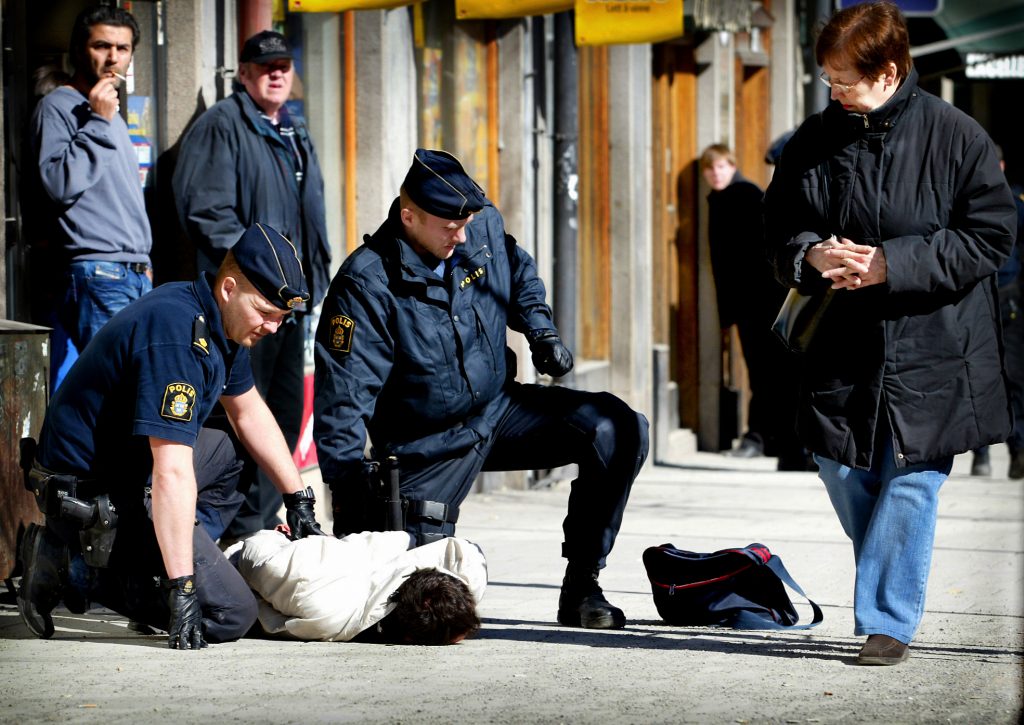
966 661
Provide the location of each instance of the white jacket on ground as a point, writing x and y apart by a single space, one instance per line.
323 588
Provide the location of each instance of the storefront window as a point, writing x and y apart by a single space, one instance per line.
453 89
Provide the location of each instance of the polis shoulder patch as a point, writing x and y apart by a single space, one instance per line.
342 330
179 401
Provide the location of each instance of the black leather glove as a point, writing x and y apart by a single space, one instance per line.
186 627
299 512
550 355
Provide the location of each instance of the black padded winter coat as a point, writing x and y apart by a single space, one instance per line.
920 179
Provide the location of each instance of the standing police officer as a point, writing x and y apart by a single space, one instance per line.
411 351
133 487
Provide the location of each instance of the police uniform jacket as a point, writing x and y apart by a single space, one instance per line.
232 173
156 369
414 359
920 179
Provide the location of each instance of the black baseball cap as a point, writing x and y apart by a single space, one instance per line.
269 261
264 47
440 186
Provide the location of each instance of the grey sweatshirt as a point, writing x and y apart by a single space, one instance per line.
89 169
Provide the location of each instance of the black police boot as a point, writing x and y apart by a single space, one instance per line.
44 568
76 598
582 603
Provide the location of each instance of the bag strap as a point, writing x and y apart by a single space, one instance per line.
749 620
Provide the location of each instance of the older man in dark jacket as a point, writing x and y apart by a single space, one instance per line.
248 159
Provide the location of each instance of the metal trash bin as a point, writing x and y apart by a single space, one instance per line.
24 393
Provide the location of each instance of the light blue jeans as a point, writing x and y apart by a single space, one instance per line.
889 513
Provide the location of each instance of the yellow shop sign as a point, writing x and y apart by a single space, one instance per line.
340 6
604 22
465 9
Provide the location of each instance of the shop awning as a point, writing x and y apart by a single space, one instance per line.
978 26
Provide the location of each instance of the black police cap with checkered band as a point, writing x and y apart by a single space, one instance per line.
269 261
440 186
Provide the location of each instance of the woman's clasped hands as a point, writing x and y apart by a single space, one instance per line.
847 264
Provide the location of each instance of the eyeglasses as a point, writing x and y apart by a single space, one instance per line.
841 87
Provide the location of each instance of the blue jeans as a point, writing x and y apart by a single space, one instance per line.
94 291
889 513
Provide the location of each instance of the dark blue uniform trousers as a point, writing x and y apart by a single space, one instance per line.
130 584
542 427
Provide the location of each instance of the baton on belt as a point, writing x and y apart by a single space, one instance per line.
393 497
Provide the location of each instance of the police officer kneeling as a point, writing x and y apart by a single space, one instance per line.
411 350
134 488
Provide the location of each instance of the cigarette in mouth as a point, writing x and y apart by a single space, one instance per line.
118 75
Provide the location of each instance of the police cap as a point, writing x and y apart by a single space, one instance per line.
264 47
270 263
440 186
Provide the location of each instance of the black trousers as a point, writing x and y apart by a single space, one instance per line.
130 584
541 427
1013 340
1012 315
278 368
774 388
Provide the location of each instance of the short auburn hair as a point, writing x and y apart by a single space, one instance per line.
866 37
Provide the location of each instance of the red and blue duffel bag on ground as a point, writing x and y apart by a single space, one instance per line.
739 588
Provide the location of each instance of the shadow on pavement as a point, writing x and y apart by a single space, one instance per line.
100 626
654 635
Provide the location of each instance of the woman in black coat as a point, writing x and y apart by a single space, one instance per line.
895 200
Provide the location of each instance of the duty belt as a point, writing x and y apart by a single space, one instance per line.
433 512
48 487
77 502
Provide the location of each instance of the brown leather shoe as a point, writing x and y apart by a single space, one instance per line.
881 649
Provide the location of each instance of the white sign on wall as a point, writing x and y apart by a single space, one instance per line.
989 65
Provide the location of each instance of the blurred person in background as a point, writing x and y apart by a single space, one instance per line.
749 297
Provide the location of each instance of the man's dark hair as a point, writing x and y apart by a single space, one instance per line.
431 608
98 15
